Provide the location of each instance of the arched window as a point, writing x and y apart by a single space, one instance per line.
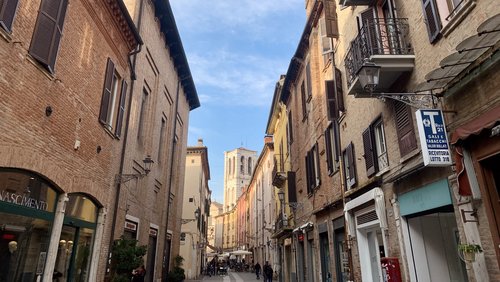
249 165
242 165
229 167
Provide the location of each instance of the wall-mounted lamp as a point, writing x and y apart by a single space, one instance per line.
369 77
293 205
196 216
122 178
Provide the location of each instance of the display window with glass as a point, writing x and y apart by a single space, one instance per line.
27 205
27 210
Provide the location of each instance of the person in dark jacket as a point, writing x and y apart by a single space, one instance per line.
257 270
138 274
268 272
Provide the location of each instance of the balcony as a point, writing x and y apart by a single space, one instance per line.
356 2
384 42
279 177
281 227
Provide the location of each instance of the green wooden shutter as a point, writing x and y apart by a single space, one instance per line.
7 12
48 31
106 93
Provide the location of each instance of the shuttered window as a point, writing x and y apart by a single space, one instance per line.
7 12
432 19
331 22
367 27
332 148
113 100
309 81
290 129
312 169
349 166
292 191
404 126
331 104
48 32
369 150
339 94
303 98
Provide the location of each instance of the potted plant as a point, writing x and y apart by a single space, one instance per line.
469 251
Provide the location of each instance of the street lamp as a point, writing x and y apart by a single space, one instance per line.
369 78
369 75
148 162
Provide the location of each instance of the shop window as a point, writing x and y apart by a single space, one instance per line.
81 207
7 12
48 32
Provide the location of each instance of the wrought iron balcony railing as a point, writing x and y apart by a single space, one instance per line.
377 37
278 175
280 223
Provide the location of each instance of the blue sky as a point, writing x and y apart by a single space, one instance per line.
236 50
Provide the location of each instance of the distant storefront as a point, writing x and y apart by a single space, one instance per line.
28 206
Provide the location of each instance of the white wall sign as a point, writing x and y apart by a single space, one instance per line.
433 138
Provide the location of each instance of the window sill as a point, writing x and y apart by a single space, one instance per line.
108 131
5 35
409 155
458 17
41 68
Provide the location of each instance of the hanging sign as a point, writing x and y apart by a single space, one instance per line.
433 138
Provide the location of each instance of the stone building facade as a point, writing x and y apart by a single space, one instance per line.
59 143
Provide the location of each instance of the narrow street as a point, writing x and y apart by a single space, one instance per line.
231 276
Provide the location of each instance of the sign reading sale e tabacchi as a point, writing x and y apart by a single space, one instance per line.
433 138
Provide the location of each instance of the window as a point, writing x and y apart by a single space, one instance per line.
404 127
332 148
334 96
142 113
229 166
281 164
249 165
48 31
312 169
163 126
7 12
290 128
242 165
304 100
112 106
442 16
308 81
374 148
349 166
234 165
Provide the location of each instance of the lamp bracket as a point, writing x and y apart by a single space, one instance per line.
123 178
417 100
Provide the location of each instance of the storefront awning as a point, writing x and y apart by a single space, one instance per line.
468 52
485 121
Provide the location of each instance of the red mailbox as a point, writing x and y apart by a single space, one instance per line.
390 270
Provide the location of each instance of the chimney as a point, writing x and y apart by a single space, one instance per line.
268 139
200 142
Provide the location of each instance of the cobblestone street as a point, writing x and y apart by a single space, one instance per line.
231 276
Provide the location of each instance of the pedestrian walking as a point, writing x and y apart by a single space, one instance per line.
268 272
257 270
138 274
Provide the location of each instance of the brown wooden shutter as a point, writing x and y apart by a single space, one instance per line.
369 150
404 127
48 32
309 81
308 173
303 95
106 93
331 22
328 145
121 111
316 166
352 164
339 95
292 191
432 20
336 137
7 12
331 104
366 23
290 126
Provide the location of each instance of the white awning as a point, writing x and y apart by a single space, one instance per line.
377 195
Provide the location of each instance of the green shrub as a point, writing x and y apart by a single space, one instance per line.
127 256
177 273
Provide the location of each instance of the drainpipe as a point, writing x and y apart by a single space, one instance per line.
166 256
125 137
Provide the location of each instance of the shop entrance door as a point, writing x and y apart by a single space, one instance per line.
73 254
491 173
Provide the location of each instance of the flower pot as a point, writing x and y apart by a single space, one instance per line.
469 256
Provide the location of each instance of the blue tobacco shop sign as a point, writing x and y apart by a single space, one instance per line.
433 138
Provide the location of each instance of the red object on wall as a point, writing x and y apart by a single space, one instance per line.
390 270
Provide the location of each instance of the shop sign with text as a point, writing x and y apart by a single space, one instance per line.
433 138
